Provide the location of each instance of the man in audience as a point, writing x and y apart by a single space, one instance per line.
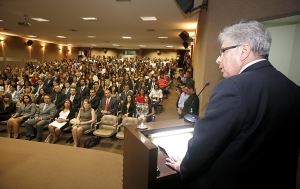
183 97
107 104
83 90
74 98
58 97
125 93
94 99
45 112
191 105
40 84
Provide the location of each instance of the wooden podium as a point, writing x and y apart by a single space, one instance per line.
144 163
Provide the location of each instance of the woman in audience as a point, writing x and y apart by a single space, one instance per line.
84 119
40 98
7 107
151 112
26 110
128 108
61 121
139 98
114 92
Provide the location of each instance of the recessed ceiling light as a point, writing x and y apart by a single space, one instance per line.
126 37
169 46
91 36
60 36
89 18
40 19
115 45
32 36
148 18
1 20
162 37
142 45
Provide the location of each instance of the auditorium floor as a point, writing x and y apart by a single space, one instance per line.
113 145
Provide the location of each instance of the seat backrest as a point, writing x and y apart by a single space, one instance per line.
109 120
129 121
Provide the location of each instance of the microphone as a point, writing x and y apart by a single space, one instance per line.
206 84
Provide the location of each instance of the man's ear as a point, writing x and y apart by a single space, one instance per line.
246 50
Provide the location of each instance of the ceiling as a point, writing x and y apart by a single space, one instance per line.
116 18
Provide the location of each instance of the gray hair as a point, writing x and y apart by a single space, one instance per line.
251 32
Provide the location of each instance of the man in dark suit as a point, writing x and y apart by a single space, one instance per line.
74 98
83 90
108 104
45 112
125 93
249 137
58 97
191 105
49 82
94 99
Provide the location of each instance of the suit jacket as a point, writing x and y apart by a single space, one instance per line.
249 137
66 91
94 102
123 96
60 97
83 93
76 101
46 114
112 105
191 105
27 111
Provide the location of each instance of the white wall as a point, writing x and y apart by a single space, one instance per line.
284 53
294 72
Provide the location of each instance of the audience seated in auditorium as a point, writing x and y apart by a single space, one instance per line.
74 98
7 107
58 97
43 116
61 121
191 105
86 116
128 107
108 105
94 99
26 110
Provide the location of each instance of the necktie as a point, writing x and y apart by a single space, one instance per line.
107 105
44 108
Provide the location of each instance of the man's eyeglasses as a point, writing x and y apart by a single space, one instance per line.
222 50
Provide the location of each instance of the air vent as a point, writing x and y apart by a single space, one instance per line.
73 30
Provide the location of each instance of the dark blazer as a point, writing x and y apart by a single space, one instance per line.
191 105
249 137
83 93
5 113
123 96
131 110
112 105
60 97
76 101
94 102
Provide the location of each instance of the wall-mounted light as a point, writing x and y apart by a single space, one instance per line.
60 47
2 42
43 46
69 49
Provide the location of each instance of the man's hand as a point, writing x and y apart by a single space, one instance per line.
174 163
37 119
